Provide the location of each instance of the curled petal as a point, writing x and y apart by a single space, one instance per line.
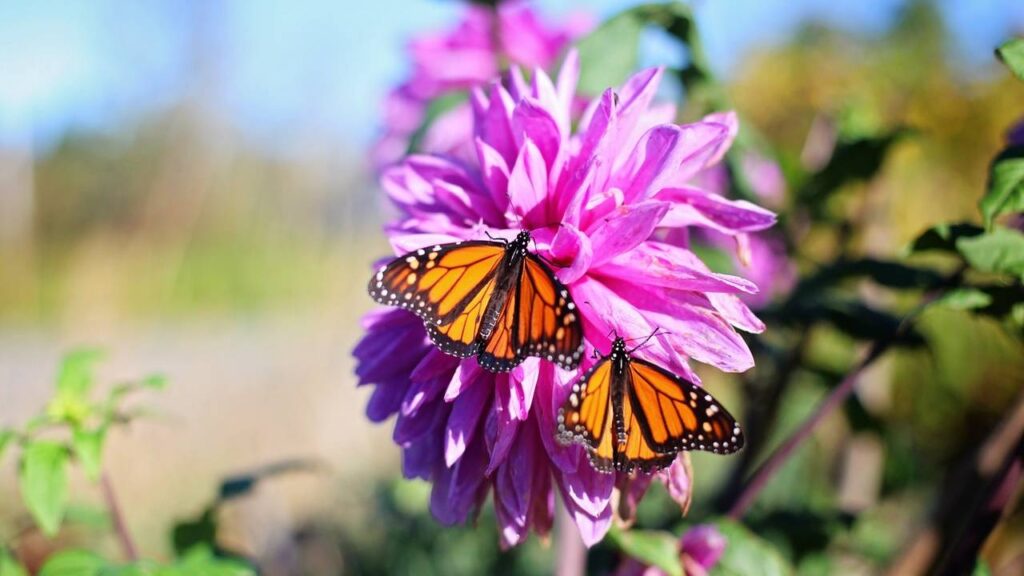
592 527
731 122
572 250
528 185
694 207
631 490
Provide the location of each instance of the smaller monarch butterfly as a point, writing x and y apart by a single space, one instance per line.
490 299
632 414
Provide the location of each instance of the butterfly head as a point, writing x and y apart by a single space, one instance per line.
619 346
522 239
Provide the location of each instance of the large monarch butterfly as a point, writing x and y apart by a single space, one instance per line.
632 414
491 299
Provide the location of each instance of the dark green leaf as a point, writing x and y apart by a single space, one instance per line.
74 563
199 532
747 555
943 237
1001 251
1005 185
653 548
1012 54
853 160
201 560
965 299
242 484
882 272
9 566
982 568
88 446
44 483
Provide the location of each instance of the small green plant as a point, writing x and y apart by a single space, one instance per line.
72 430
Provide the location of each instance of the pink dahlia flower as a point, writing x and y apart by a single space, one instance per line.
471 54
596 200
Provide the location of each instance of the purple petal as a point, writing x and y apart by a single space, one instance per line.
386 399
569 244
551 394
522 383
467 411
677 479
466 374
459 490
694 207
592 527
499 429
495 172
422 456
625 229
409 428
493 121
653 162
704 544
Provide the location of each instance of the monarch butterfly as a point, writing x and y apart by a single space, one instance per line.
491 299
631 414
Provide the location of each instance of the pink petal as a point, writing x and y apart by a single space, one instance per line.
694 207
572 250
666 266
532 122
731 122
625 229
522 382
528 185
403 244
734 311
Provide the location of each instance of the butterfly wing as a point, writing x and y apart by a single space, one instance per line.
633 450
548 324
438 284
586 416
673 414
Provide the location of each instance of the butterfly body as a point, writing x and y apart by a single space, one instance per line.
491 299
634 415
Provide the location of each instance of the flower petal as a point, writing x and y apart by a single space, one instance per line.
663 265
465 417
528 186
625 229
704 544
694 207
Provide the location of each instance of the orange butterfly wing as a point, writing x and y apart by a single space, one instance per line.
548 323
586 416
635 452
673 414
438 283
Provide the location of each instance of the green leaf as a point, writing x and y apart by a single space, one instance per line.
653 548
76 372
88 446
982 569
154 382
74 563
1012 54
9 565
1001 251
201 560
1005 185
943 237
6 437
609 54
853 160
44 483
747 554
965 299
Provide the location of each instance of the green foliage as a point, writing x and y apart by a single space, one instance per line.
943 237
9 566
1005 186
609 54
855 159
653 548
88 448
1012 54
198 562
44 483
747 555
999 252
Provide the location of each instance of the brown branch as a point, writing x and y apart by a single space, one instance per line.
120 526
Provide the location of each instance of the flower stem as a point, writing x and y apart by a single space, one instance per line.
571 553
831 402
120 527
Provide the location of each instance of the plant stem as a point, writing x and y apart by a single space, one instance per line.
571 554
120 527
832 401
785 451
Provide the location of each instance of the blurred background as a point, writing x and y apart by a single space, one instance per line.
185 185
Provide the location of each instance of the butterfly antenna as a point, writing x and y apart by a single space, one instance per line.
646 340
495 238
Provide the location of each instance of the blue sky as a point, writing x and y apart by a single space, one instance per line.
272 67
